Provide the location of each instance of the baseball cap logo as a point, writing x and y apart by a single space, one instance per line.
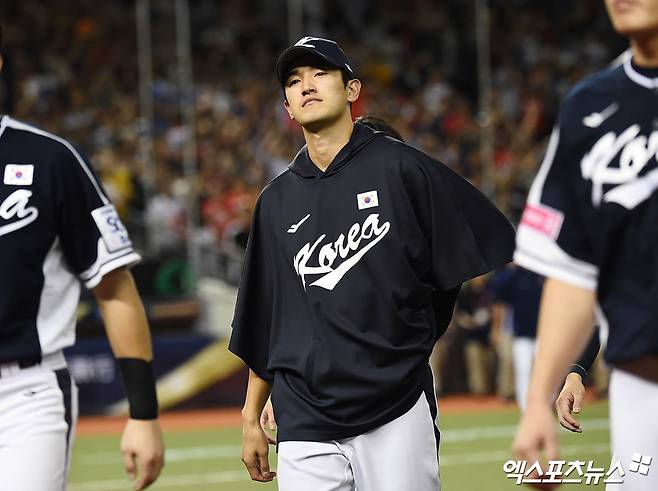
305 41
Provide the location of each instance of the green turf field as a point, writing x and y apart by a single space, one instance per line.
473 450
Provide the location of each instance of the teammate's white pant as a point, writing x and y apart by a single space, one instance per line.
400 455
524 354
634 429
38 411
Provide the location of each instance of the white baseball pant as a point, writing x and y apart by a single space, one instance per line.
524 356
39 411
400 455
634 430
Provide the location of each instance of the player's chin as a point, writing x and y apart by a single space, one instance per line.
637 27
316 121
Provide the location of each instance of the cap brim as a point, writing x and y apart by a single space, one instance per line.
287 59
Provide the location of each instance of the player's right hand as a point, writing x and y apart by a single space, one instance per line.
254 452
570 402
535 434
268 423
142 448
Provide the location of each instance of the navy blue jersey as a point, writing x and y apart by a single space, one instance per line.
591 218
350 277
57 228
520 290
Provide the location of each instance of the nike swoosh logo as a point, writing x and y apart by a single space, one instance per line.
595 120
633 193
295 227
32 393
330 280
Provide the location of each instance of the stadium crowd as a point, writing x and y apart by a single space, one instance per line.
74 71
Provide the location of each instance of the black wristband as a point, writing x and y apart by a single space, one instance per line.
139 382
576 368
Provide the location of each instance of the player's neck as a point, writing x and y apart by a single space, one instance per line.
645 50
325 143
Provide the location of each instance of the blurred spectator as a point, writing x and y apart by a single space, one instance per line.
473 317
501 339
519 290
165 219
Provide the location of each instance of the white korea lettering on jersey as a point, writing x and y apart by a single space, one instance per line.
342 246
15 206
635 152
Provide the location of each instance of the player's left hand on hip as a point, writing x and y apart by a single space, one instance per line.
142 448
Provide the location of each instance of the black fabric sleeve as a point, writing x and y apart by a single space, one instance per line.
467 234
252 321
584 364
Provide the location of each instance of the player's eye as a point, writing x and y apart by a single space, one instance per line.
292 82
320 73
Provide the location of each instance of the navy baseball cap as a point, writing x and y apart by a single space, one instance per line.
325 49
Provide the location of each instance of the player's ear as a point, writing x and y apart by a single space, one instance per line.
287 106
353 89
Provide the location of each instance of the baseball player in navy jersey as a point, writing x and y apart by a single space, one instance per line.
355 258
590 227
57 229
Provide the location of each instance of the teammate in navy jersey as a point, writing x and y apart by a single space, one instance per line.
57 229
355 258
590 227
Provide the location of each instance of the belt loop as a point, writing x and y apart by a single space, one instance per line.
7 369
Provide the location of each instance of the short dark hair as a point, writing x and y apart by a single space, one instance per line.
379 124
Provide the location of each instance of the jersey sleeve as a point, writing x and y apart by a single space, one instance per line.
93 239
552 237
252 320
467 234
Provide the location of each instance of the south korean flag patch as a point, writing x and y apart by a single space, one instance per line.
114 234
367 200
19 174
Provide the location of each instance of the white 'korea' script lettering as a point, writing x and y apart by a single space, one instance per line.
15 205
342 247
635 152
